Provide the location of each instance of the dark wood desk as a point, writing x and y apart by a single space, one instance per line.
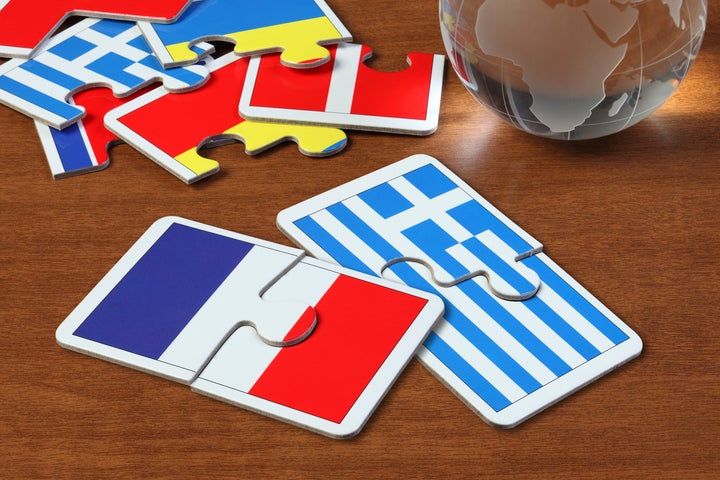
633 217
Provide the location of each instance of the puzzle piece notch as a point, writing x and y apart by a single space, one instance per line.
297 29
173 141
91 53
24 27
484 255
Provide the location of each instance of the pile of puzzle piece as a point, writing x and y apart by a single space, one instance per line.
292 76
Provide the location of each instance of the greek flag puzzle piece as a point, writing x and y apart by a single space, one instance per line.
175 303
25 25
91 53
346 93
170 129
298 28
507 360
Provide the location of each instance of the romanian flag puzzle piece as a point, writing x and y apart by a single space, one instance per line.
298 28
25 25
170 128
345 93
253 323
91 53
510 344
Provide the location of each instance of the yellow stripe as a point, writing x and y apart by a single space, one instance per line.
312 140
199 165
298 39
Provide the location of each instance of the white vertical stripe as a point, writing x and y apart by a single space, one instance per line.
237 299
344 77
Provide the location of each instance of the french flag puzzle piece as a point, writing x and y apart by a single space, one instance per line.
171 304
25 24
345 93
91 53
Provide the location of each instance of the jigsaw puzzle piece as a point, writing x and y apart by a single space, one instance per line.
170 129
508 360
295 27
24 25
82 147
346 93
91 53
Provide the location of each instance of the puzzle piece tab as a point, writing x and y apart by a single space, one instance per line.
176 303
169 129
25 24
345 93
508 360
91 53
295 27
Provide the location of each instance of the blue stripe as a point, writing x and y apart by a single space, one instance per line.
74 153
430 181
202 19
55 76
499 266
471 377
576 300
385 200
72 48
39 99
162 292
112 65
329 244
381 246
477 219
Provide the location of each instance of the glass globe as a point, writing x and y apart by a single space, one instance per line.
572 69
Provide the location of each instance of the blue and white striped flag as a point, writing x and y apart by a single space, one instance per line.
506 359
93 52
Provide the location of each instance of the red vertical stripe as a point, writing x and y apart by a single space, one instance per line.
278 86
359 324
402 94
175 123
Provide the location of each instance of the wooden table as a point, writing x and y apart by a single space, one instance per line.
633 217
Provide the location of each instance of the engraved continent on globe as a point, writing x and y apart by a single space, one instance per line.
572 69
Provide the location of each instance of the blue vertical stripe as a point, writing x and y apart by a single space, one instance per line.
162 292
71 147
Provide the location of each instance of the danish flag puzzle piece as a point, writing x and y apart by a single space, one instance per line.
91 53
83 146
175 306
298 28
345 93
169 129
24 25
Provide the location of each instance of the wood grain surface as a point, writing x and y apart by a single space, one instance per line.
634 217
